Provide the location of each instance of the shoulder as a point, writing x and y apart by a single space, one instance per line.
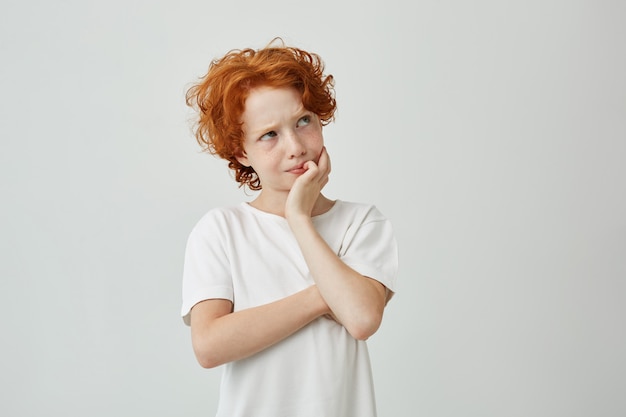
219 219
219 214
357 211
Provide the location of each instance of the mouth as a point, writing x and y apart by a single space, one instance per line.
298 169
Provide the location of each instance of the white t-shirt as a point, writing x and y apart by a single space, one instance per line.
252 258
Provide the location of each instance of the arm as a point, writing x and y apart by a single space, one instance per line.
219 336
356 301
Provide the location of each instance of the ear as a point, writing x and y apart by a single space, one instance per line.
243 159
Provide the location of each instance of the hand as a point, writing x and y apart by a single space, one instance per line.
307 187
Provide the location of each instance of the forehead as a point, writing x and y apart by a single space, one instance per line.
269 104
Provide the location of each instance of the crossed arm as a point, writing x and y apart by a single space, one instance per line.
220 335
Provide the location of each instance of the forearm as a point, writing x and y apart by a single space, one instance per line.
356 301
240 334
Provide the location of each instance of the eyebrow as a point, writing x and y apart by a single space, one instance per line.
261 131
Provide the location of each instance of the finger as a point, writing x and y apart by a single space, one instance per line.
311 166
311 172
328 159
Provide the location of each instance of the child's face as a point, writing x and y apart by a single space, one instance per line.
280 135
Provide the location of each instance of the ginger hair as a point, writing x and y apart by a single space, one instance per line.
220 95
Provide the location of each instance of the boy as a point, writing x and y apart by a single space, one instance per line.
285 289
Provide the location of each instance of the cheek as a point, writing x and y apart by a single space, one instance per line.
317 150
320 144
316 139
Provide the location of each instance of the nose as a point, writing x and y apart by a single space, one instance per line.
295 145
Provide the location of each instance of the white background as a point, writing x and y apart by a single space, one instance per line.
491 133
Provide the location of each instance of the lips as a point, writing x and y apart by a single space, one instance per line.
298 169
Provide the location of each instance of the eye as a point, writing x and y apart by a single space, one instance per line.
268 135
303 121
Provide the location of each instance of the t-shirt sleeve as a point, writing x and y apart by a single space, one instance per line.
206 271
372 250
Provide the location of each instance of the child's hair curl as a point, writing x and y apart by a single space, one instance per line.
219 97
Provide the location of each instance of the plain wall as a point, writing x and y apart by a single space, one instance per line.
492 134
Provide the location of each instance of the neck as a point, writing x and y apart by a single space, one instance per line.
275 204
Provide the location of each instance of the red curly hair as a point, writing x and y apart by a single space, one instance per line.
220 95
